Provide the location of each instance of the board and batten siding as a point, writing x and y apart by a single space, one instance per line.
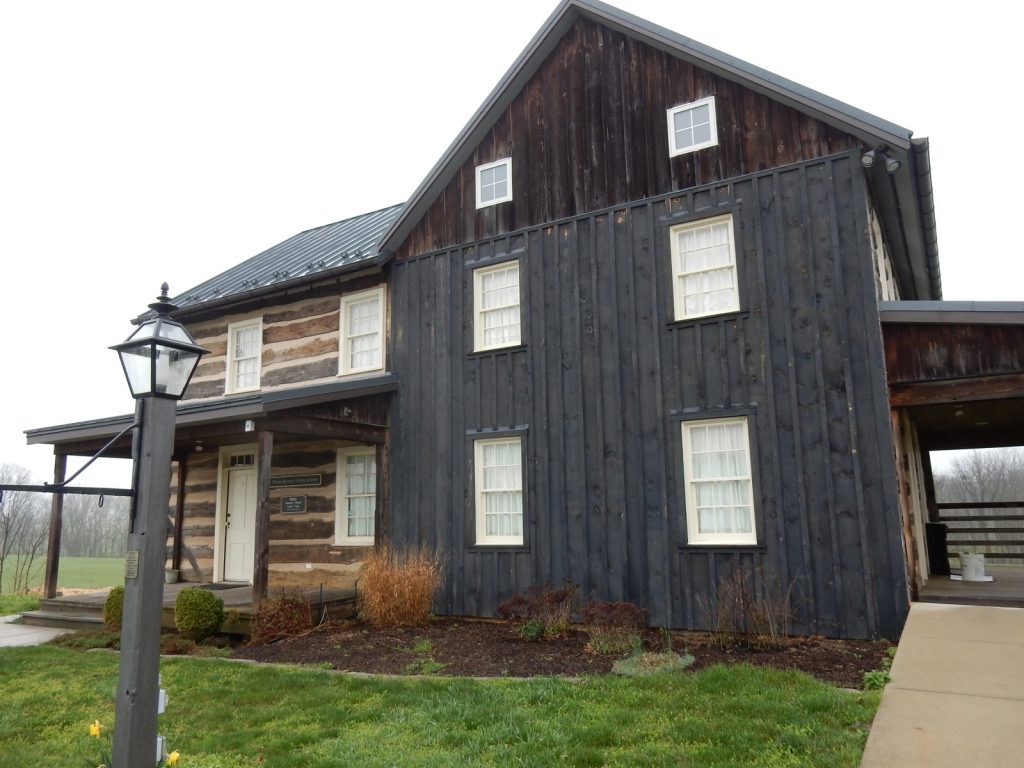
604 377
589 131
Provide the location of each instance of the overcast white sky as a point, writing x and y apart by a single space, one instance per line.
144 142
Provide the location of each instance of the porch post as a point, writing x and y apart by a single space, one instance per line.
60 466
261 559
179 511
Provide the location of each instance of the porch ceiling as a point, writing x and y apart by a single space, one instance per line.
958 368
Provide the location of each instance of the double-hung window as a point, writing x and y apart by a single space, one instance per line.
499 490
719 492
362 331
357 496
692 126
496 306
704 268
245 340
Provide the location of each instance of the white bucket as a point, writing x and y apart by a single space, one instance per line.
972 567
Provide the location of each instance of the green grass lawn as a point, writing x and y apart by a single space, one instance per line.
82 572
74 573
229 715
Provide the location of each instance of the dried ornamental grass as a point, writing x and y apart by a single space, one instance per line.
396 588
286 613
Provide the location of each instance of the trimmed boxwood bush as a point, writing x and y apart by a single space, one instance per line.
113 608
198 613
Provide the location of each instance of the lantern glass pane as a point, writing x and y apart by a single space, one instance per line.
138 369
173 370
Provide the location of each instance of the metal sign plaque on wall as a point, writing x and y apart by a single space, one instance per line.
295 481
293 504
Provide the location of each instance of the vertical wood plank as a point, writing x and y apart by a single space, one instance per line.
261 559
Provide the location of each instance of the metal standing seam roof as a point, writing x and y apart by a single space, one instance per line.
319 250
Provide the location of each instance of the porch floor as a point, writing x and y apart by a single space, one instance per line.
1005 590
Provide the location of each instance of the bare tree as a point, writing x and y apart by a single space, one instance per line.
23 529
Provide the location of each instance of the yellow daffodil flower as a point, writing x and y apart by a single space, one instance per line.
95 728
173 757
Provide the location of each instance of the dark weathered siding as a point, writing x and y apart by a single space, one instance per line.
589 131
604 377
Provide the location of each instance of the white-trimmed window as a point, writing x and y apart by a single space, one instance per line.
692 126
704 268
494 183
719 492
499 490
496 310
357 496
362 331
245 342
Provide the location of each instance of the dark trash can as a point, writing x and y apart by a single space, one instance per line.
938 562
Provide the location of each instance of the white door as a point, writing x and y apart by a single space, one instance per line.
240 518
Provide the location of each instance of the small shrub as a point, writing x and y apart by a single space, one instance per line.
113 609
877 679
736 615
612 626
651 663
397 588
286 613
540 611
198 613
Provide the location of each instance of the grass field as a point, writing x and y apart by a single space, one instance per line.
75 573
228 715
82 572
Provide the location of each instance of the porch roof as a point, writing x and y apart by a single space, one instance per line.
958 366
84 437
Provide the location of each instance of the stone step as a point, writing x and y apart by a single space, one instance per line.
61 620
71 607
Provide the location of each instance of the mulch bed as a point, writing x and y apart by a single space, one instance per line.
475 648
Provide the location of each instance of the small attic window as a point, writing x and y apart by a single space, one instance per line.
494 183
692 126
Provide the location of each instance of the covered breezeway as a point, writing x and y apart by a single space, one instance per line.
956 381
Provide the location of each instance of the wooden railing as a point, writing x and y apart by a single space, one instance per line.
963 534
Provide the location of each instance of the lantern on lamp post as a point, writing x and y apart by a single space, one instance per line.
158 359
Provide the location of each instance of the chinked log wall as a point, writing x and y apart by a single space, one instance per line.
604 377
300 343
295 539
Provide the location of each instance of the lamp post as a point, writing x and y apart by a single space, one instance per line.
159 359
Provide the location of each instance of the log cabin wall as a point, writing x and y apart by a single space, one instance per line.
604 377
299 343
589 131
296 539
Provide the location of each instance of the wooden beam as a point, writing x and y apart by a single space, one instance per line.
261 558
899 435
60 466
179 511
307 426
957 390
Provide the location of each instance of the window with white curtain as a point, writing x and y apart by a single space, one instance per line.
245 341
719 493
496 306
357 496
704 268
499 490
362 331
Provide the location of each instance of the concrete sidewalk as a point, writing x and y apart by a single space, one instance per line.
957 692
21 634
